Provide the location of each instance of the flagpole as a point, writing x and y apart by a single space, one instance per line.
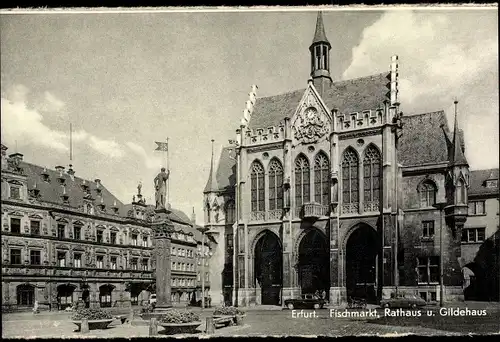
168 179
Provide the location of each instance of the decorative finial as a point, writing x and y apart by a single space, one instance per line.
102 199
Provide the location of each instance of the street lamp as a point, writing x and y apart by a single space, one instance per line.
203 230
440 206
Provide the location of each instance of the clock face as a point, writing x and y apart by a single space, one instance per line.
310 112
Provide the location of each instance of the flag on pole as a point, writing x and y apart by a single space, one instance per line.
162 146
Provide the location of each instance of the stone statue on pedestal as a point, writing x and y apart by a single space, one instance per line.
160 182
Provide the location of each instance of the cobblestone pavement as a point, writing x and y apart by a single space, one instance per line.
256 323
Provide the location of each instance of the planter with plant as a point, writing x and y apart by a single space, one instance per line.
96 317
179 322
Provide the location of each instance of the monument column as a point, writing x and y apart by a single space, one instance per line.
162 230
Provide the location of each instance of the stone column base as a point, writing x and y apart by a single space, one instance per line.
338 296
246 297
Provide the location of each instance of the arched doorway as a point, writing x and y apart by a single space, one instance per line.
25 294
268 268
313 265
105 299
65 295
361 263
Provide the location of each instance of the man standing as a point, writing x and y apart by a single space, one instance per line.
160 182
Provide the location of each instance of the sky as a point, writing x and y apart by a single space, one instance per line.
126 80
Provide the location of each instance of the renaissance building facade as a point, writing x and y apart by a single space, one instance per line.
66 239
331 189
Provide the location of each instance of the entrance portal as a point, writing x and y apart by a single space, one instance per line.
314 261
361 263
268 268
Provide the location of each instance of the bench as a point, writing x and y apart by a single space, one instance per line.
224 321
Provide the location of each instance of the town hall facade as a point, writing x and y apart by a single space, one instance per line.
331 189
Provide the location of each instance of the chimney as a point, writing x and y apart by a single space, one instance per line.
71 172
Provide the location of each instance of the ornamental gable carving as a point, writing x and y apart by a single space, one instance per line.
62 220
78 223
35 217
311 121
16 213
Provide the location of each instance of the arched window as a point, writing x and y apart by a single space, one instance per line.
302 181
230 212
275 185
371 178
460 192
350 182
321 179
257 186
427 193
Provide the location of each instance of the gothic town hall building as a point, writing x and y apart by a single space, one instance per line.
332 189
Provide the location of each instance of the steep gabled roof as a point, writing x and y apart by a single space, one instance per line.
356 95
478 182
423 140
51 191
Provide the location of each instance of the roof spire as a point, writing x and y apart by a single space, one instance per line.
212 178
458 157
320 58
319 34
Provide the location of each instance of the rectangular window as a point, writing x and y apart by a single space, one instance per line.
61 231
15 225
77 232
134 263
427 228
15 257
61 259
112 262
100 235
35 227
428 269
173 252
100 261
112 238
145 264
473 234
144 241
35 258
134 239
477 208
77 260
15 192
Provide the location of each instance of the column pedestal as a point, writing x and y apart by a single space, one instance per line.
162 229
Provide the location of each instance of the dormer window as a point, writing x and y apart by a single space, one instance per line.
492 183
45 175
15 192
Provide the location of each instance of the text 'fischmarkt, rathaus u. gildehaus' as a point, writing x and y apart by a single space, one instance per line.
331 189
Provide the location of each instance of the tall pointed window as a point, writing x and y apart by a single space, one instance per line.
460 192
427 193
371 178
302 181
257 186
275 185
321 179
350 182
230 212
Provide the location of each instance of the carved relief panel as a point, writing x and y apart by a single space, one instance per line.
311 121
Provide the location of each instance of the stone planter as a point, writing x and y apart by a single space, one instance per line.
180 328
231 319
94 324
